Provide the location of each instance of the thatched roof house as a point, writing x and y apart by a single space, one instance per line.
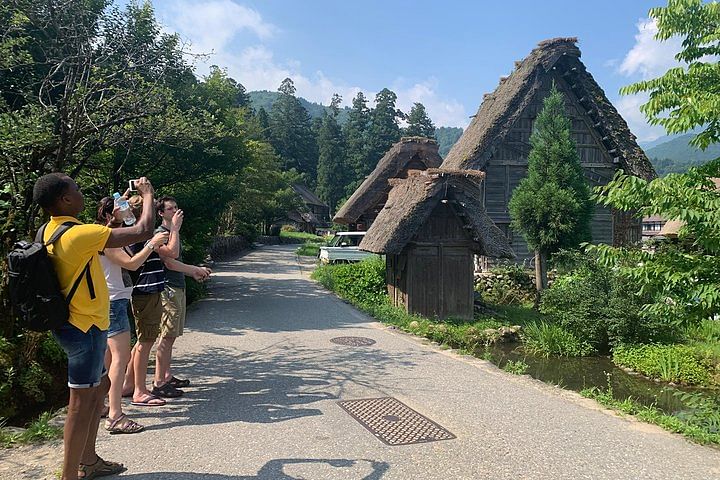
315 214
497 140
407 155
430 228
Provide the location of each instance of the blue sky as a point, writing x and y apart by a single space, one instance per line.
443 54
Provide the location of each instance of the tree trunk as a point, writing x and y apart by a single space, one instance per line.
540 274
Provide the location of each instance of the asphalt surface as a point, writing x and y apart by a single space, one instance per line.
267 379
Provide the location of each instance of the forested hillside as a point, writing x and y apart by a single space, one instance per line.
264 99
677 155
446 137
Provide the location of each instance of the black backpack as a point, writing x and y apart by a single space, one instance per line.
34 288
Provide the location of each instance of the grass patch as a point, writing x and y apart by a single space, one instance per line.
545 339
302 236
683 364
308 250
516 367
702 425
40 430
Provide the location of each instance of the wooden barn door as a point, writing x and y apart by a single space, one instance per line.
457 282
423 281
440 281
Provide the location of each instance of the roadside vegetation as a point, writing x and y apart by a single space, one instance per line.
572 320
39 430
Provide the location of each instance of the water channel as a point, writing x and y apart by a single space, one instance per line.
578 373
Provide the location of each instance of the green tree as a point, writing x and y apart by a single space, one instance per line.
683 279
356 133
263 123
332 167
419 123
384 126
551 207
291 133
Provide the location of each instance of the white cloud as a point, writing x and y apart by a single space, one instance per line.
212 25
648 58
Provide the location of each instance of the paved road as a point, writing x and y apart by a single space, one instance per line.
267 382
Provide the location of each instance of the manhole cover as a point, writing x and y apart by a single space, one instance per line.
353 341
393 422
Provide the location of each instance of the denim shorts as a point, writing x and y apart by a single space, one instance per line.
119 320
85 352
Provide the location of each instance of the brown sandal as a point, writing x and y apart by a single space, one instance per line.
123 424
101 468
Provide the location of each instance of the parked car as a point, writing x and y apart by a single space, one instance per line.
343 247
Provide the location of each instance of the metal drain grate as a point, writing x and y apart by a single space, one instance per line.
393 422
353 341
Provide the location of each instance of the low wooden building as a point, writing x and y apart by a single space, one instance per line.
408 155
429 229
497 141
314 215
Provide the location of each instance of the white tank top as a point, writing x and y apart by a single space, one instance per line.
114 278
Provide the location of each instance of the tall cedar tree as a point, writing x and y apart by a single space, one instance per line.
384 128
356 132
551 207
291 133
332 167
419 123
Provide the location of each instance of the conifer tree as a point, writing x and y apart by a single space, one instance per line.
419 123
263 123
332 168
356 133
384 128
551 207
291 133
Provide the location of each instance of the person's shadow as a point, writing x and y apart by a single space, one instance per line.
308 468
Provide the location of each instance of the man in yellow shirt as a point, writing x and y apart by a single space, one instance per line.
84 337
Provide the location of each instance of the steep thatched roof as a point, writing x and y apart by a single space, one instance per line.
503 107
308 196
375 187
412 201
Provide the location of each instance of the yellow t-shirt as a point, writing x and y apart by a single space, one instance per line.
69 255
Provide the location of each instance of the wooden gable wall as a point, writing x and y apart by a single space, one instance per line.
508 165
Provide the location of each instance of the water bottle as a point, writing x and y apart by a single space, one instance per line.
125 212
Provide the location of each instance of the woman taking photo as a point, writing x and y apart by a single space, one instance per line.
116 262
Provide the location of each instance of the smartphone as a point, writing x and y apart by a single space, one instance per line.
132 186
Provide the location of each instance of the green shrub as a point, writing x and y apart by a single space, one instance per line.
506 284
542 338
360 283
600 307
670 363
33 375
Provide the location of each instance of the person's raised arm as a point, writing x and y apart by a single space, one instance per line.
172 249
123 259
143 228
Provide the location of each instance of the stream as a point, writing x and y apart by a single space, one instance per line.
578 373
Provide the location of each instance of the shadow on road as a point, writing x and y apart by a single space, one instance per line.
275 384
315 469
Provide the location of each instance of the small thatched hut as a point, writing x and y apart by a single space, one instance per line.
408 155
430 228
497 140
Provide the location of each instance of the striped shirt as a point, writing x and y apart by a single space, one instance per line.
150 275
